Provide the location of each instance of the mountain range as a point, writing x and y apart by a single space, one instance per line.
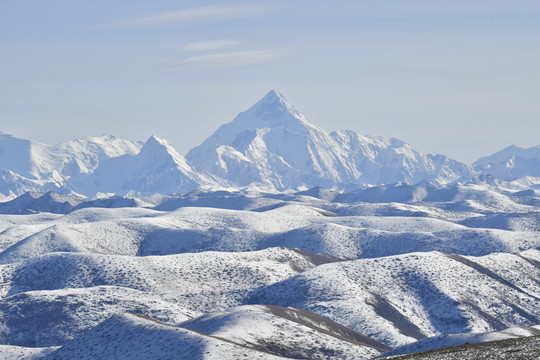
270 146
273 239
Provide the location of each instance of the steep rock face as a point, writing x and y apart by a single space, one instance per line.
157 168
273 144
511 163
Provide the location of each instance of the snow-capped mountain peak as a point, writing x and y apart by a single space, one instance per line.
274 144
155 145
157 168
273 110
511 163
154 142
158 152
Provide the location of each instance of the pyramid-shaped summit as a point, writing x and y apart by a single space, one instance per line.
273 144
273 103
272 111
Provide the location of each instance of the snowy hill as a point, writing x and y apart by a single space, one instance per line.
287 332
134 337
444 341
47 300
391 264
272 239
522 348
492 222
399 299
10 352
52 317
273 144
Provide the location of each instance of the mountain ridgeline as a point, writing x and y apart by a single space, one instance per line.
271 146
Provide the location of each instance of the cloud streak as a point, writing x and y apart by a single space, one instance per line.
225 61
210 45
205 14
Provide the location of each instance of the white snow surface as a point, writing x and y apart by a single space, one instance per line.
493 222
157 168
270 146
10 352
272 238
49 299
399 299
289 332
35 160
134 337
511 163
272 143
443 341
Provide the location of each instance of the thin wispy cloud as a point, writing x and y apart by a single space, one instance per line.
210 45
205 14
225 61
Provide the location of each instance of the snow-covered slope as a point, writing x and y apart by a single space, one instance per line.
28 165
52 317
47 300
134 337
288 332
273 144
63 274
34 160
443 341
13 185
51 202
400 299
10 352
522 348
87 153
511 163
157 168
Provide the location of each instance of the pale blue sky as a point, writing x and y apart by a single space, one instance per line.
455 77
